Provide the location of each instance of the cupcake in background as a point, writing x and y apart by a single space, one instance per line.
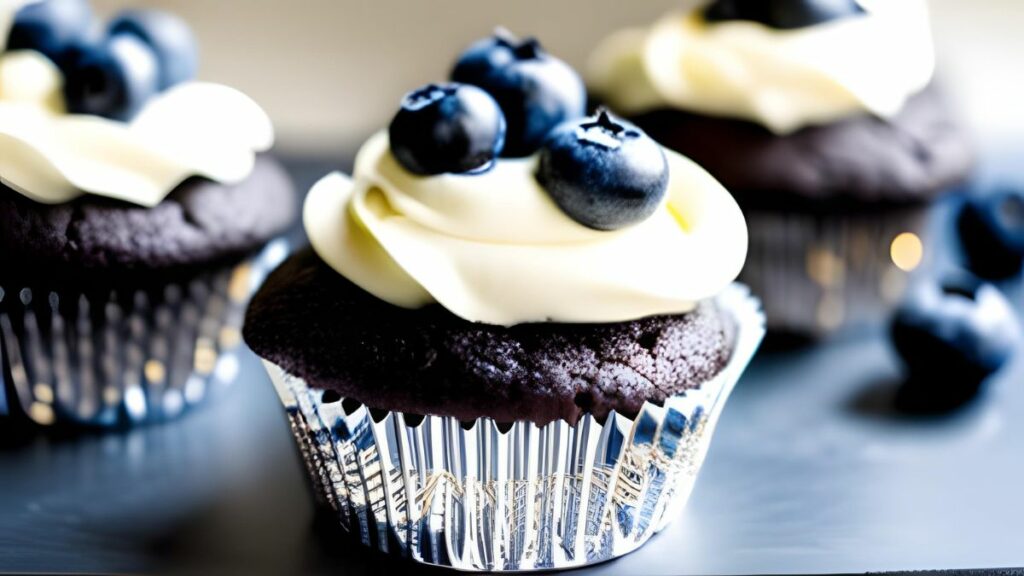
825 121
135 205
516 328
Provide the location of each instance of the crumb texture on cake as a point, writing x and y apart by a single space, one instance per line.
200 222
315 324
919 152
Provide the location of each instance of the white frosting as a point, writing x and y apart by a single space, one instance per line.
29 79
781 79
495 248
194 129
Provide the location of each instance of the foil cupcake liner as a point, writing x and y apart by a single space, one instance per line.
114 360
819 273
478 496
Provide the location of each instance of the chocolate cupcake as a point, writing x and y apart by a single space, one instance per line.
515 330
823 118
135 208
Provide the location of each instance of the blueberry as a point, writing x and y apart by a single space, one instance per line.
114 79
51 27
168 36
991 227
782 14
603 172
447 128
953 335
535 90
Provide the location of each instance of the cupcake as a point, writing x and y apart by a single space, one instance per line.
823 118
515 329
135 205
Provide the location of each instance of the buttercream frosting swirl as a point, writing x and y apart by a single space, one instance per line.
781 79
494 248
193 129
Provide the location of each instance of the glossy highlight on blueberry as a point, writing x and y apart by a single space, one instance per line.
168 36
114 79
954 334
535 90
51 27
603 172
447 128
991 230
783 14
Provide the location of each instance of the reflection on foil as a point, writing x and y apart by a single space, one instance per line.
476 496
112 360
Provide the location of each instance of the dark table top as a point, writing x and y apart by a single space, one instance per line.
810 471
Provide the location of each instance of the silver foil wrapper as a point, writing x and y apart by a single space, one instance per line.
116 360
477 496
820 273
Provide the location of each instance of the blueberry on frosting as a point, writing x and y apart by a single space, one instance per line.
447 128
603 172
535 90
168 36
782 14
51 27
111 74
113 79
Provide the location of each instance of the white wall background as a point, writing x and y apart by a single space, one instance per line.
330 72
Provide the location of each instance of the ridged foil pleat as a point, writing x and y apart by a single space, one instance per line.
112 360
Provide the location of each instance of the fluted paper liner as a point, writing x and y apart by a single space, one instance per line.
121 359
478 497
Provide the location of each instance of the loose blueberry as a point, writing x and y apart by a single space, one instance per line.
991 230
51 27
168 36
114 79
535 90
954 335
447 128
603 172
783 14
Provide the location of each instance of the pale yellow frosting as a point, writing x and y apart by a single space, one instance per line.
495 248
781 79
194 129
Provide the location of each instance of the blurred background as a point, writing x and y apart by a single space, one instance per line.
813 470
330 73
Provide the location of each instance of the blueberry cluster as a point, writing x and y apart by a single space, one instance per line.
111 70
535 90
782 14
509 98
954 334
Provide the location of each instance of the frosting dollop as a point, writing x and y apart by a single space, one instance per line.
494 247
194 129
781 79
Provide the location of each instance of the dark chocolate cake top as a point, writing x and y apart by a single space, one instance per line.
315 324
93 238
911 157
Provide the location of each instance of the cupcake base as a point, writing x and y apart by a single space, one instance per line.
480 496
118 359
